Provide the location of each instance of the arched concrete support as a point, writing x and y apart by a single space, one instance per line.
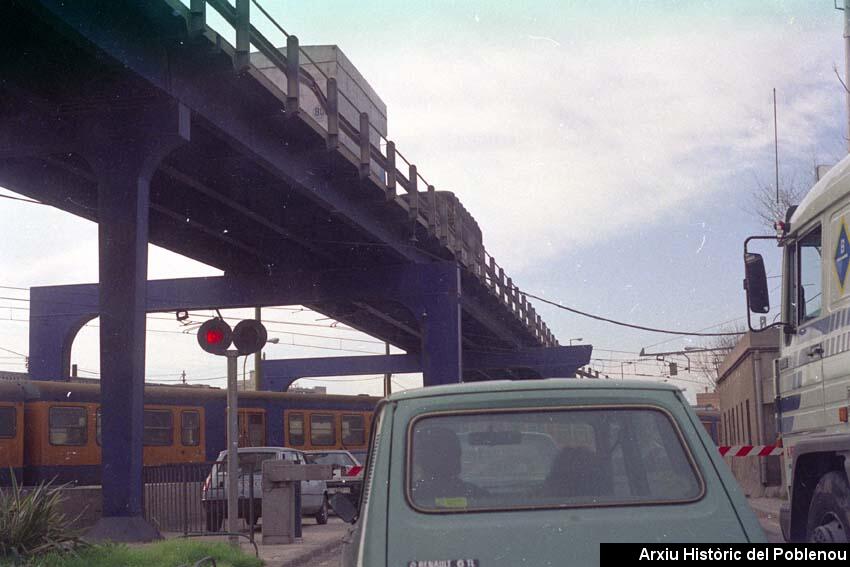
56 310
278 375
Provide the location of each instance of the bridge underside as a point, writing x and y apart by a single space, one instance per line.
118 113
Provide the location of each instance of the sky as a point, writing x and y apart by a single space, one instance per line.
609 152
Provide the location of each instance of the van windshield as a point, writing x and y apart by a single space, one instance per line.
561 458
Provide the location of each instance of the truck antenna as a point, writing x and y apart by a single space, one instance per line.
775 146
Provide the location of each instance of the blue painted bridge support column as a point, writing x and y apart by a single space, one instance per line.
439 313
124 162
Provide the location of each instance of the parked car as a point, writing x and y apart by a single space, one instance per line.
347 471
314 493
539 472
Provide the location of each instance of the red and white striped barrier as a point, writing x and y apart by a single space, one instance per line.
750 451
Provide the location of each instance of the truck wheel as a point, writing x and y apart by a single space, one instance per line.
829 512
214 516
322 514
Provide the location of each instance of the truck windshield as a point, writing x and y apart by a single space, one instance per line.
573 457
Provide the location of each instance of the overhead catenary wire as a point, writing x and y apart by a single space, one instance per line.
624 324
23 199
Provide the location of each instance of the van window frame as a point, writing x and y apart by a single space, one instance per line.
674 423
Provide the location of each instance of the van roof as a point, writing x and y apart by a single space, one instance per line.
827 191
530 385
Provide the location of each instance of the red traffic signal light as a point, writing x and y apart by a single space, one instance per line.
215 336
249 336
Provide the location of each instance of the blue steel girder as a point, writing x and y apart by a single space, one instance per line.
58 312
545 362
242 112
217 99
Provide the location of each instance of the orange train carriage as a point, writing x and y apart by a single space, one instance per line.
11 432
53 428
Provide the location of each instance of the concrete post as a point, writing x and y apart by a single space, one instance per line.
281 513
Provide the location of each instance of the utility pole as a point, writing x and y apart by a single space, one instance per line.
776 144
183 377
847 64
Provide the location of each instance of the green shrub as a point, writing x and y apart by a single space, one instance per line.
32 523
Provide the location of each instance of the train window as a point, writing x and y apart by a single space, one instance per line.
252 429
353 430
8 421
158 427
190 428
295 424
68 426
322 430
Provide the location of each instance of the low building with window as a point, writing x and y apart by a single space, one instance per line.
745 386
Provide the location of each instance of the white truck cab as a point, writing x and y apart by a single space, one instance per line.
812 372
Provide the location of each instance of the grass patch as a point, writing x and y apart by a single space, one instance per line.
162 554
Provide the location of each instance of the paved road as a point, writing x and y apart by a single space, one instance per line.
329 562
767 512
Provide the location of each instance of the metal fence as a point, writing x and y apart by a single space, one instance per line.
190 498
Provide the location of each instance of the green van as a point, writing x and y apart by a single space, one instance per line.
538 472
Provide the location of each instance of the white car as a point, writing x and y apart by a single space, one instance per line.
347 471
314 493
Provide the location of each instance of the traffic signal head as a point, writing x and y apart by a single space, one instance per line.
215 336
249 336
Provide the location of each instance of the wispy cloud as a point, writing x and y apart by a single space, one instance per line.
571 145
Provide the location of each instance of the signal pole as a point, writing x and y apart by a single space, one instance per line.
232 448
215 336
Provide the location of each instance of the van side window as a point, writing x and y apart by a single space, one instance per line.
68 426
810 294
8 421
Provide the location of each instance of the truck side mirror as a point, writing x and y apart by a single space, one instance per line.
755 283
